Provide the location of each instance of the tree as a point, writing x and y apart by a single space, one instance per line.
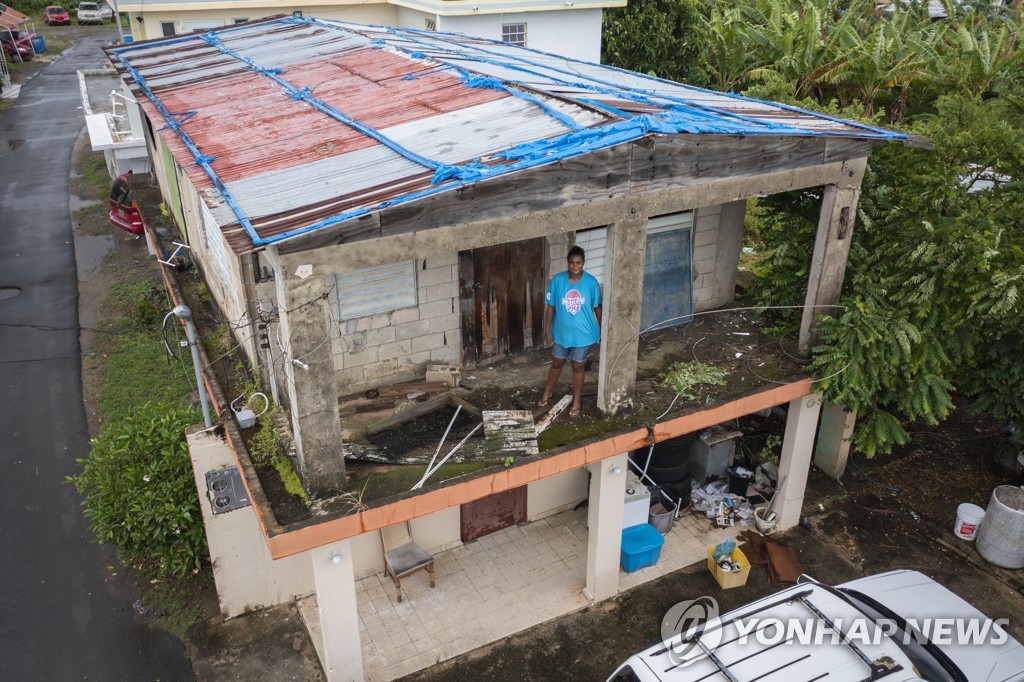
662 38
935 297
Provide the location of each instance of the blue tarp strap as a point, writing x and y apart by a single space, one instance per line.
202 160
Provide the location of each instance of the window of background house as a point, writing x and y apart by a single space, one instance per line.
430 24
297 13
379 289
239 20
167 28
514 33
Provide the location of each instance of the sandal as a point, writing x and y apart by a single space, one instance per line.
575 412
543 402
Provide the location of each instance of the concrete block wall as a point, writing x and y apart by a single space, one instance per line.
717 239
396 346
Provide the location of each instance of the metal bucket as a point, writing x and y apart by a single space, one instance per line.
1001 537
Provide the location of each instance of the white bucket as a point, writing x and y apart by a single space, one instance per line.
968 520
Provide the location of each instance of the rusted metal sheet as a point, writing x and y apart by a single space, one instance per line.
301 124
493 513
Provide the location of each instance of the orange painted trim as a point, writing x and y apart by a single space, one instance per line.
310 537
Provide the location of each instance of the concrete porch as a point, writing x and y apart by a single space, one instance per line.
491 588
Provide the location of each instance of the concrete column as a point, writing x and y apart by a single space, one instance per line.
604 527
831 247
336 604
306 324
795 460
620 332
832 448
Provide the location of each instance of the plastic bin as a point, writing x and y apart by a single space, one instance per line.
641 547
38 44
727 579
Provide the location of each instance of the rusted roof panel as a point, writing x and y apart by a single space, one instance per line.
290 124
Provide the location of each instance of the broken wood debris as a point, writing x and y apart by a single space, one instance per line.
558 408
510 432
417 410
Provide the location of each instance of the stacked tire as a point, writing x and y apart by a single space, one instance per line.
669 467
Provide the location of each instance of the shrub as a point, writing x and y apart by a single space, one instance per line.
139 491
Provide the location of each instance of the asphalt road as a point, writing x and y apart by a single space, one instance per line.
65 604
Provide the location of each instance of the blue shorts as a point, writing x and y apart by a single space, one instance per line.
576 353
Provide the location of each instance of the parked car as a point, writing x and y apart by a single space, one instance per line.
106 10
89 13
17 44
901 626
123 213
55 15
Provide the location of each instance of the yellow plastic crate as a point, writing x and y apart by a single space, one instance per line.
729 579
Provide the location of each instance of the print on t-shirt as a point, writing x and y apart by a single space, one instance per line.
573 301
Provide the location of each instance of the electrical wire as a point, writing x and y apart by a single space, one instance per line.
856 466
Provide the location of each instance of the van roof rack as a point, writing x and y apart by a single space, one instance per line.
877 668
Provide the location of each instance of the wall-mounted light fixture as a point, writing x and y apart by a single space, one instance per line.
138 18
615 469
335 557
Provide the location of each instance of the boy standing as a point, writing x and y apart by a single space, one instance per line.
572 322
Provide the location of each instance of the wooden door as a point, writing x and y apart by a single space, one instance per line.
502 300
492 513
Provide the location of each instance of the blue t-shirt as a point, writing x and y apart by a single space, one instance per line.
574 323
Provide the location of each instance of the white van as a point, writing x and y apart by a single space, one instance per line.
899 626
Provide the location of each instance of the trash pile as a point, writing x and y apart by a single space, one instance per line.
721 502
723 556
725 508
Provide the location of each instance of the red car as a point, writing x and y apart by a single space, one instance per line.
17 44
122 212
55 15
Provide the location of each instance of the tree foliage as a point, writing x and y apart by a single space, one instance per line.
933 300
139 491
662 38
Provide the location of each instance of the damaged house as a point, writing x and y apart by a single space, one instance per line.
366 202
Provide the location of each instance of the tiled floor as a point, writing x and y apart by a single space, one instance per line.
491 588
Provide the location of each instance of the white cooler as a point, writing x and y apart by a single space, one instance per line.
638 502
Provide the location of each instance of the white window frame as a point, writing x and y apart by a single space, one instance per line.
163 28
376 289
430 23
514 34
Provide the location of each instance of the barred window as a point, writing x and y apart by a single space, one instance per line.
514 33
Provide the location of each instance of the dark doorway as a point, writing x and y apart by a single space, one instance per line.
501 289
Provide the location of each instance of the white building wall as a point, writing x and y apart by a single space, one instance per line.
574 33
556 493
396 346
718 235
182 15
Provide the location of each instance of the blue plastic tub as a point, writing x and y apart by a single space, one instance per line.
38 44
641 547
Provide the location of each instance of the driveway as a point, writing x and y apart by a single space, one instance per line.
66 611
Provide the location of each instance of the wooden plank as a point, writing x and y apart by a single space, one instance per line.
398 390
681 161
553 413
468 407
509 433
417 410
467 311
598 175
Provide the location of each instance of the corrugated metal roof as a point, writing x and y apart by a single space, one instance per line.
291 124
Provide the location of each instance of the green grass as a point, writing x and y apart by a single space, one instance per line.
137 367
401 479
94 173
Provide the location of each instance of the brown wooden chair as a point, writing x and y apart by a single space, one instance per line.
402 556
